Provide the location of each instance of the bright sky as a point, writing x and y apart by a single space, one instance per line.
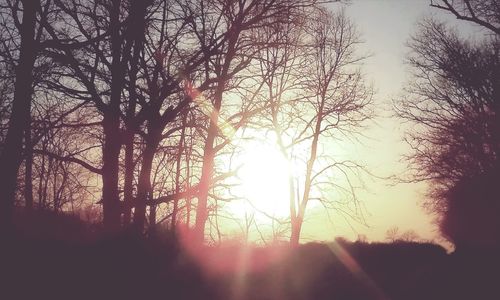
385 26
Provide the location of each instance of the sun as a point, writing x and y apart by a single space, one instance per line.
264 176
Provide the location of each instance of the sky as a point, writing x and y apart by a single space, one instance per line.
385 27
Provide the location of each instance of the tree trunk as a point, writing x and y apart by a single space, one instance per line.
178 168
301 210
111 126
41 176
207 168
129 179
144 184
152 219
46 179
136 37
188 183
10 158
28 175
296 229
111 152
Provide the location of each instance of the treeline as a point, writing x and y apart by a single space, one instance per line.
139 106
134 104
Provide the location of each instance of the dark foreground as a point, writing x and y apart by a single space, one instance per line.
55 265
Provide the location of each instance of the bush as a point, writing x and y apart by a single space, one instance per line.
471 220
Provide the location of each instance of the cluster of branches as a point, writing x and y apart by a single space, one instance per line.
139 98
453 102
315 95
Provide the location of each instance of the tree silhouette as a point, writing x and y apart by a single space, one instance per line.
471 217
481 12
11 155
454 108
142 99
453 105
339 101
314 95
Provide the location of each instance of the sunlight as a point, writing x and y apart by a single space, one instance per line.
264 177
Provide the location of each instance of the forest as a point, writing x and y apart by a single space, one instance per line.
128 128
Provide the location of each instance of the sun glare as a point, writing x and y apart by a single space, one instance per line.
264 181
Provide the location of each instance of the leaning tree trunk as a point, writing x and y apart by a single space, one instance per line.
298 220
207 168
11 156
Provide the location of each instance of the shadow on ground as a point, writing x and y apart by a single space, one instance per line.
66 259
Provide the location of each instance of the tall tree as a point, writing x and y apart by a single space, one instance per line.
98 71
11 155
111 123
453 104
338 101
237 19
315 94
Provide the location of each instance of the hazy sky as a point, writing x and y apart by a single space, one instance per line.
386 26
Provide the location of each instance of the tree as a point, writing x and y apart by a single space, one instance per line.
338 99
241 19
471 220
454 107
60 45
453 104
58 137
484 13
96 72
315 94
392 234
46 112
11 156
168 82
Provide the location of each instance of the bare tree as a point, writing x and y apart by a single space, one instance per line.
168 80
392 234
80 77
485 13
315 95
338 99
11 156
240 19
453 108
